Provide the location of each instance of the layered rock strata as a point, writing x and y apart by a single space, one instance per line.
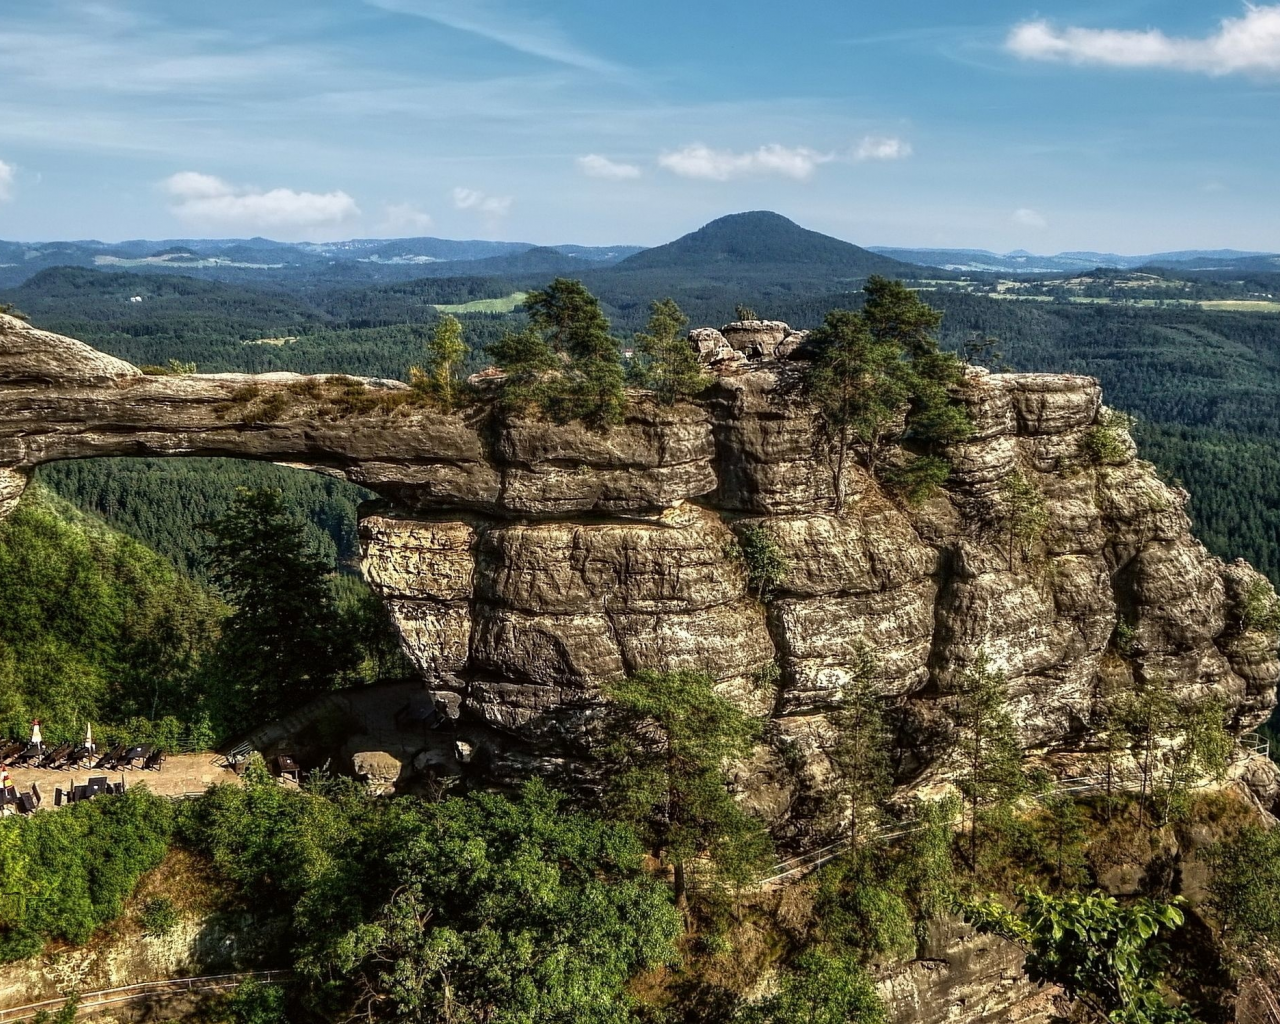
529 563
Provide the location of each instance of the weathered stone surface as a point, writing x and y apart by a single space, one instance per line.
821 642
794 346
12 484
379 769
418 559
679 561
710 346
1049 403
871 547
32 356
756 339
436 635
963 977
770 453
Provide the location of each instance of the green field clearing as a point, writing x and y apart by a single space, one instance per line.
1246 305
503 305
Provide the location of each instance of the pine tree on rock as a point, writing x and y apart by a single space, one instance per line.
988 748
668 363
860 755
571 324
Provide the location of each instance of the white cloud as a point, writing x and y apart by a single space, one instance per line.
1249 43
1028 218
205 199
593 165
397 217
6 181
474 199
699 161
882 147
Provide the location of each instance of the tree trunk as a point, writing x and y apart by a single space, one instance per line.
679 885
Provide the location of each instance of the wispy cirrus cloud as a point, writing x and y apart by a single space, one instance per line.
503 24
593 165
7 174
480 202
206 199
1249 44
708 164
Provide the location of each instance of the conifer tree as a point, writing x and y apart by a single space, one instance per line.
669 365
1022 507
572 324
445 352
671 742
990 754
281 645
860 755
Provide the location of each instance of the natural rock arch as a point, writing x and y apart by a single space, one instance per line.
527 562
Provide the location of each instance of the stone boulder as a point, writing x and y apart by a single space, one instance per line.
756 339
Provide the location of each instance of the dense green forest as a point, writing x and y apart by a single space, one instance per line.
97 628
164 502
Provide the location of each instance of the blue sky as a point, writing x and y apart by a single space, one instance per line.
1124 126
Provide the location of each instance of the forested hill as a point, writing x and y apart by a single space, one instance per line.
766 243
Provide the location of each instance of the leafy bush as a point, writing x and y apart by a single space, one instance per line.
767 565
1105 443
819 988
1101 952
77 867
480 903
159 916
1261 611
1244 890
256 1003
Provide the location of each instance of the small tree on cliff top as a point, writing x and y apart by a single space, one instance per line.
878 372
672 738
668 363
445 351
570 321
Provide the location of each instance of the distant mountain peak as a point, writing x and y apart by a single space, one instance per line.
763 238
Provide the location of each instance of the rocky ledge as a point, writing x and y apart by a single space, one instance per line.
528 562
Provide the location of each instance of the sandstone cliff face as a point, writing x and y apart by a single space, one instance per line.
528 563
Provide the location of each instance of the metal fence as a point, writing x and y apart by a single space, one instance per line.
90 1001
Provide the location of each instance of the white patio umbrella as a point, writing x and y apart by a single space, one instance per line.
88 738
36 739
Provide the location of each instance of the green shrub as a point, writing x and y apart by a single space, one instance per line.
77 867
1105 444
159 916
256 1003
1261 610
820 988
767 566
